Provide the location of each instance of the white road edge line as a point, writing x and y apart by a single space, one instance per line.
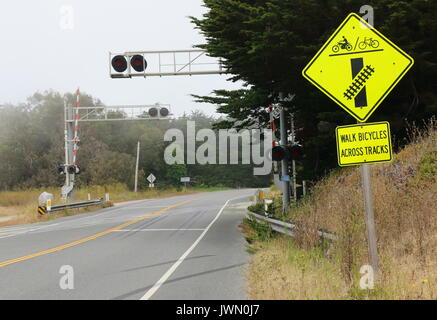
173 268
132 230
23 231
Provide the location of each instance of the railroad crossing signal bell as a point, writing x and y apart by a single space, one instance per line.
357 67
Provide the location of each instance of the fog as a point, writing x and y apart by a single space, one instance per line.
62 45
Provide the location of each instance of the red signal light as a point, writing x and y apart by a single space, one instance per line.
296 152
138 63
163 112
119 63
279 153
153 112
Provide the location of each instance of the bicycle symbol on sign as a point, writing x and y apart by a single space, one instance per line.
368 42
346 45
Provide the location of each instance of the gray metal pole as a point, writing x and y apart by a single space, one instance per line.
136 166
370 219
293 140
67 192
293 163
284 163
368 203
67 178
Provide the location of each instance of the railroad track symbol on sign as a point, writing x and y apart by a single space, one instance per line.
357 67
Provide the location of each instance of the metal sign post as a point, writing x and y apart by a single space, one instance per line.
284 164
370 219
136 167
293 162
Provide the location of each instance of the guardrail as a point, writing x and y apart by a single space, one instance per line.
286 228
76 205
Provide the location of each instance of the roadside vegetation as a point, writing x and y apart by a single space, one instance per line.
18 207
404 192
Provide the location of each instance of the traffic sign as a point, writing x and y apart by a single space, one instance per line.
151 178
185 179
357 67
363 143
285 178
42 210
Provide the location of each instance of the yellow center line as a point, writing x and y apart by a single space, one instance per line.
95 236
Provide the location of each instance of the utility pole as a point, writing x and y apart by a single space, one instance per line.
284 164
136 167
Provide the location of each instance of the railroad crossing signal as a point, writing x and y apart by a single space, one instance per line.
293 152
137 62
163 63
71 169
158 111
357 67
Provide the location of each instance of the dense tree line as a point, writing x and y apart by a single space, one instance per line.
32 146
267 43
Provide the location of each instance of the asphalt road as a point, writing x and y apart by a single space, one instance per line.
185 247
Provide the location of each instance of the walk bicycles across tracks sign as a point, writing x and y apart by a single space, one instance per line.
363 143
357 67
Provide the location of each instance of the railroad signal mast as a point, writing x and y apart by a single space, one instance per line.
74 115
163 63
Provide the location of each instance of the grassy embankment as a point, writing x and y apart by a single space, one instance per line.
18 207
405 193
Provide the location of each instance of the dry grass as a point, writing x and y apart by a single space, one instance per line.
281 271
19 207
405 193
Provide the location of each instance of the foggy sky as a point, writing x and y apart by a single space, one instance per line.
39 53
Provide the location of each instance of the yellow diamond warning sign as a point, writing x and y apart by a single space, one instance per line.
363 143
357 67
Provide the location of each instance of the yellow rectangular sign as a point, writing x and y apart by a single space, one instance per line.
363 143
